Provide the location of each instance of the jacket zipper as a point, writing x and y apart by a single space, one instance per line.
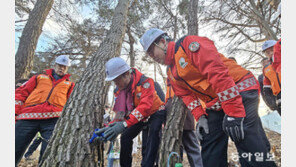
191 86
54 85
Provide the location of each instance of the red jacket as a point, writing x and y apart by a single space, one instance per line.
42 96
277 56
203 73
145 99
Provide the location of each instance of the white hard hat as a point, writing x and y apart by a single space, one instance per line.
267 44
115 67
63 60
149 37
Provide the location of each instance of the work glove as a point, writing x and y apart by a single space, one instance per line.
233 127
113 130
202 124
98 136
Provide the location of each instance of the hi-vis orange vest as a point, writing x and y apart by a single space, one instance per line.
192 78
46 91
274 78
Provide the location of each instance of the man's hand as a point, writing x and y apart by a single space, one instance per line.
202 124
233 127
113 130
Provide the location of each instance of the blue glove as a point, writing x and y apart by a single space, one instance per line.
202 124
234 127
113 130
96 136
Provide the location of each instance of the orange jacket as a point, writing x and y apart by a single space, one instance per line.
170 94
277 56
207 75
272 79
145 98
43 96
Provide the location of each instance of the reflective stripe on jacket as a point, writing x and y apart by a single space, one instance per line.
145 98
207 75
43 96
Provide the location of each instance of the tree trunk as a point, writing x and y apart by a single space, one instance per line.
83 112
192 23
28 41
131 44
172 133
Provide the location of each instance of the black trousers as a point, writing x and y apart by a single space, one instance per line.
150 140
33 146
214 145
25 131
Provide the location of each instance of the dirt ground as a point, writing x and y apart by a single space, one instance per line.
274 139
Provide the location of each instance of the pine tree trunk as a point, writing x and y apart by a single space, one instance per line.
192 23
83 112
172 133
131 44
29 39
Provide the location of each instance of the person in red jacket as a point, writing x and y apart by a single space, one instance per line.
276 63
39 104
136 100
272 77
197 71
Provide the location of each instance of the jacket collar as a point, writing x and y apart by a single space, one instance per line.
136 77
49 72
169 59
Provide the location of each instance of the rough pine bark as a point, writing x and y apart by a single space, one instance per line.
69 145
172 133
29 39
176 115
192 23
131 44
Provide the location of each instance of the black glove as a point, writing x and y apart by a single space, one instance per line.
233 127
113 130
202 124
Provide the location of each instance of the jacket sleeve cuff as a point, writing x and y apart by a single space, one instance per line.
131 121
234 107
134 117
198 112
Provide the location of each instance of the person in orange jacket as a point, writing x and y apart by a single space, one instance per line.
136 100
266 92
39 103
272 78
198 71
